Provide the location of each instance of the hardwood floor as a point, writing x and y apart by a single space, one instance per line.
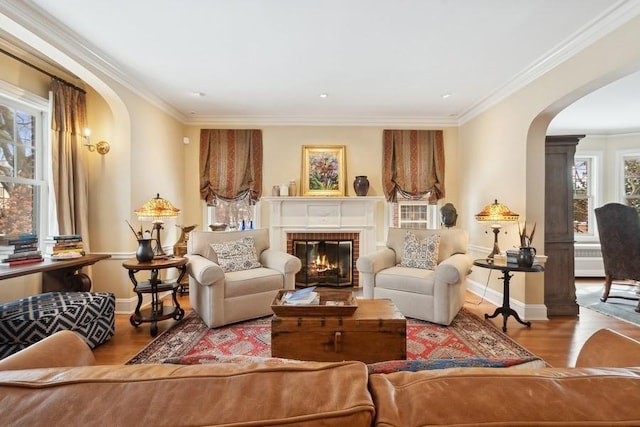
556 340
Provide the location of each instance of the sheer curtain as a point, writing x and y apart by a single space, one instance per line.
413 164
69 119
230 164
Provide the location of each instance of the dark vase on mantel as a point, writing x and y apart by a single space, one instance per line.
361 185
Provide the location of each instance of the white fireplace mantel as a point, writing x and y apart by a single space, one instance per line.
323 215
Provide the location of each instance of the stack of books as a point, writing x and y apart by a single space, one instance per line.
306 296
20 249
67 246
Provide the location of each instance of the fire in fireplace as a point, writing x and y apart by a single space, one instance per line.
324 262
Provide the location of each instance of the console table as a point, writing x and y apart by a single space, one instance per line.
57 275
506 269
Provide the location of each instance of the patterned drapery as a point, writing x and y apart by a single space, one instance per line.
230 164
413 164
69 119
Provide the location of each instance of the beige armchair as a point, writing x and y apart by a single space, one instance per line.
432 294
221 297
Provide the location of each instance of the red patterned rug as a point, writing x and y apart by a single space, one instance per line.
468 337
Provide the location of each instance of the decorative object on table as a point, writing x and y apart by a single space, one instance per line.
217 227
20 249
323 170
144 253
467 338
67 246
180 247
497 214
157 210
449 215
526 253
361 185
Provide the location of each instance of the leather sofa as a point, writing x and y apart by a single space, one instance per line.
37 389
435 295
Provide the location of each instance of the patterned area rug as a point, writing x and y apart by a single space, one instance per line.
468 340
589 297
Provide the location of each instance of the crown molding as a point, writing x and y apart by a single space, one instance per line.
31 18
432 122
618 14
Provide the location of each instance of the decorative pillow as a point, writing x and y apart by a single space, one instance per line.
420 253
236 255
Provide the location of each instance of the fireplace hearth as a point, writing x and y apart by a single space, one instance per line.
324 262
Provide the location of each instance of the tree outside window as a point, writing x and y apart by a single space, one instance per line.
583 195
19 187
632 181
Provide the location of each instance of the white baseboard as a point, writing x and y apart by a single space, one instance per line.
526 311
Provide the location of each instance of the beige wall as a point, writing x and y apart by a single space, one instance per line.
498 154
503 148
282 161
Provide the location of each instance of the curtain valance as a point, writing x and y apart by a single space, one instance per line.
413 164
230 164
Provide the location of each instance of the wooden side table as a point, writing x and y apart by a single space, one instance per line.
506 269
154 286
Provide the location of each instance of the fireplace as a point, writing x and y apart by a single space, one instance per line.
324 262
333 218
328 259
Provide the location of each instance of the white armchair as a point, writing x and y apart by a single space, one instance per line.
435 295
221 297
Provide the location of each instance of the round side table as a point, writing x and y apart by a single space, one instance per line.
506 269
154 285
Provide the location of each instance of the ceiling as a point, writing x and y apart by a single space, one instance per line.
379 62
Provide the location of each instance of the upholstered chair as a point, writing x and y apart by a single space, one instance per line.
619 233
234 275
422 271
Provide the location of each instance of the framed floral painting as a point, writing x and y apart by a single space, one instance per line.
323 170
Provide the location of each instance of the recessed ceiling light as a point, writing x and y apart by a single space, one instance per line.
198 94
324 95
446 95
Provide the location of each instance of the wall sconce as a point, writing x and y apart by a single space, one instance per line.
101 147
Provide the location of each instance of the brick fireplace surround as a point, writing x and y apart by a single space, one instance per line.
355 248
324 218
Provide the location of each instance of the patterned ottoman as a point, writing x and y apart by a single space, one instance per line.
28 320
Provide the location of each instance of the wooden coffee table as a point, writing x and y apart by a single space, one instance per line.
375 332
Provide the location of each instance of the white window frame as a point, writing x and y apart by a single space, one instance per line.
595 186
40 108
432 213
621 155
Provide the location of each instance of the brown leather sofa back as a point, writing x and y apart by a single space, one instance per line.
507 397
277 394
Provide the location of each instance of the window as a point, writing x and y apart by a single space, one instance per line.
586 189
23 160
413 214
631 180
